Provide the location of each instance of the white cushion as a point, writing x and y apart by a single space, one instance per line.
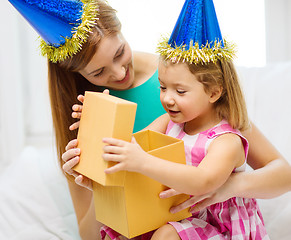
35 201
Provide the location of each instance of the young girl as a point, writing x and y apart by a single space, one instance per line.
205 108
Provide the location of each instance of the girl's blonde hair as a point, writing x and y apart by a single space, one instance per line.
65 83
231 104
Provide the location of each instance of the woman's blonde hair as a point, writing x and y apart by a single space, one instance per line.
65 83
231 104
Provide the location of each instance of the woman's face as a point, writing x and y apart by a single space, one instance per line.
111 66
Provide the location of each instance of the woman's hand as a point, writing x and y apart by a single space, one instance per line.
77 110
71 158
197 203
128 155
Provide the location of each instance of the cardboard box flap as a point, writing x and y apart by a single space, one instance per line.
150 140
137 206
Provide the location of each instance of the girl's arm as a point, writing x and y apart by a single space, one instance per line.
271 177
224 154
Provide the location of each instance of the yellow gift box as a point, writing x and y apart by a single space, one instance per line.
136 208
127 202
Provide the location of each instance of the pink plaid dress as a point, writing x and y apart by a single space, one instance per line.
236 218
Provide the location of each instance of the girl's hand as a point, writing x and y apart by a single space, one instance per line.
77 110
71 158
197 203
128 155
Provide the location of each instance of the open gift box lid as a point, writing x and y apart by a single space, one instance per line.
103 115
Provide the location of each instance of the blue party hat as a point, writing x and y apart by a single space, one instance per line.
63 25
196 37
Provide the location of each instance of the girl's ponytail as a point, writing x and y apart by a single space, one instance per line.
231 104
236 111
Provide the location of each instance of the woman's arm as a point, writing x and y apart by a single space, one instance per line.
89 227
271 177
160 124
81 194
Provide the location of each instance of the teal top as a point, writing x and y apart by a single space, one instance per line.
147 97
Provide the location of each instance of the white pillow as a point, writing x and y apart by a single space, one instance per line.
267 91
35 201
277 216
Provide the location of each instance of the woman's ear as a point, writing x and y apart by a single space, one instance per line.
215 93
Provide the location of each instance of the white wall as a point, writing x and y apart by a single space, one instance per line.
25 115
242 22
278 32
12 130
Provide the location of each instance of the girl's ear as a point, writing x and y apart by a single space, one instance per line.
215 94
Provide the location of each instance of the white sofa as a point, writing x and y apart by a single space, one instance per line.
267 92
35 202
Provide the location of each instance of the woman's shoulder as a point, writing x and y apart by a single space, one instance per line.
145 62
145 65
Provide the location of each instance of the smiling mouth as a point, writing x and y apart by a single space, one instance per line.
173 112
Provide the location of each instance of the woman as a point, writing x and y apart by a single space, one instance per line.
105 60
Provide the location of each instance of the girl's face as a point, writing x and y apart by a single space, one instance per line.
182 95
111 66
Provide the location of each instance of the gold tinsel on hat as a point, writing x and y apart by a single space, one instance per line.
196 54
74 44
